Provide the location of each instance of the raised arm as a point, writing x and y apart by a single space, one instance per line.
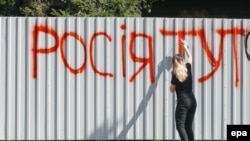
185 46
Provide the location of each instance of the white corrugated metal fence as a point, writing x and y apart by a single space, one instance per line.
109 78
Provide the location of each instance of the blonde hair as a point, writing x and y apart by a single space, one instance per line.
179 68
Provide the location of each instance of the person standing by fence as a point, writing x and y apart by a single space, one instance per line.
181 83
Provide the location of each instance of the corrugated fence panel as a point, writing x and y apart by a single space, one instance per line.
109 78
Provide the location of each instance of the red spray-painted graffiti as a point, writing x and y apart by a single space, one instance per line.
207 49
35 49
79 38
144 61
91 53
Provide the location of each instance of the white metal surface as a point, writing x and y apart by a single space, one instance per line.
108 78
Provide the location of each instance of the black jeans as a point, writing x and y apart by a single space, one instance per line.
184 115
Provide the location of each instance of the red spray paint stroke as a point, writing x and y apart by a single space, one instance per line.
149 60
211 59
234 31
123 27
36 50
236 57
180 35
242 32
210 56
79 38
94 36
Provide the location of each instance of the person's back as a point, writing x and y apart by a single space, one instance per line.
181 83
186 85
